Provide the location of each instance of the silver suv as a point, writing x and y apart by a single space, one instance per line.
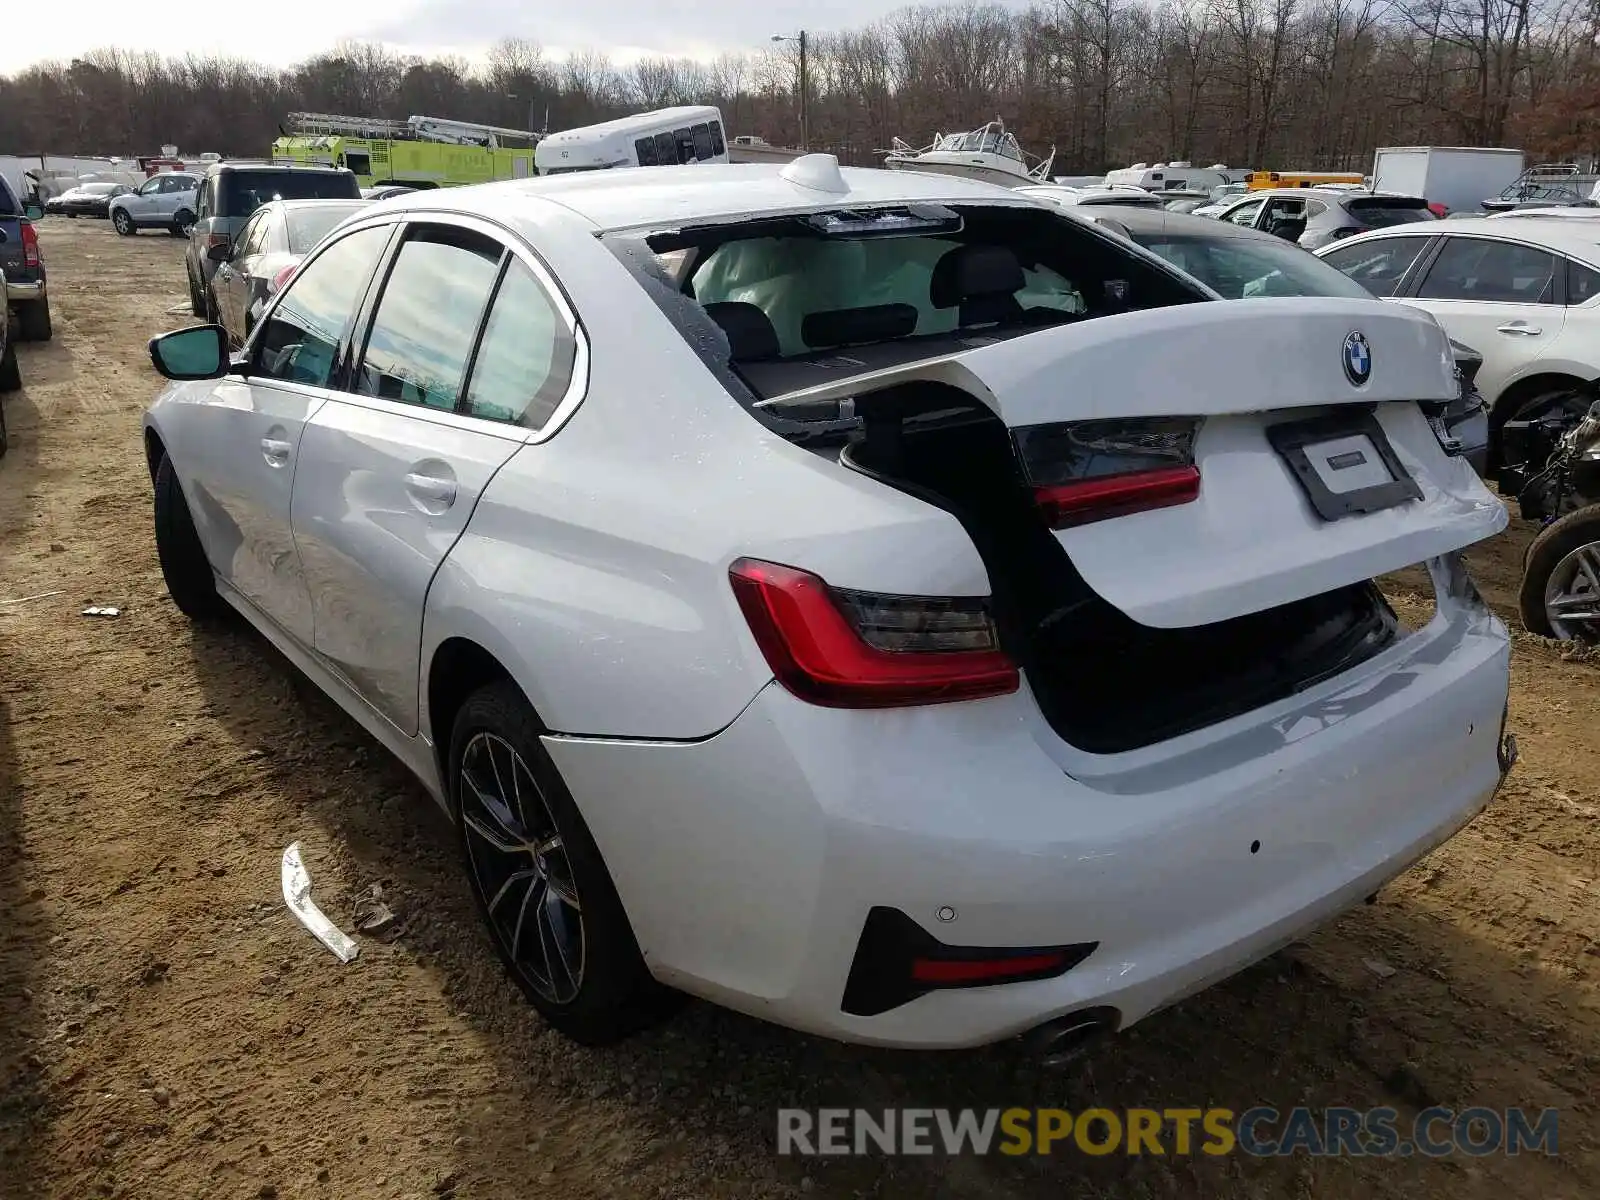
229 194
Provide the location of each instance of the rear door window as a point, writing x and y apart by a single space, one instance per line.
645 150
524 362
1583 283
428 317
299 341
1379 265
1491 271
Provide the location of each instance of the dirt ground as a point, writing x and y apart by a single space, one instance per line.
168 1030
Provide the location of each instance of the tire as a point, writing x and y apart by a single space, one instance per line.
190 583
1548 556
213 317
196 300
5 438
10 373
182 223
611 994
33 321
123 223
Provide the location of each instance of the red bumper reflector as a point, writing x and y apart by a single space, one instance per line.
1067 504
983 970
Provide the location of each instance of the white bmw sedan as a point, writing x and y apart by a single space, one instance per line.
872 601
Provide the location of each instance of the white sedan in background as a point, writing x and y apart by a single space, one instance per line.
870 600
1524 293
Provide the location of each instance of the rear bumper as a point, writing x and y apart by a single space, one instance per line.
748 862
23 293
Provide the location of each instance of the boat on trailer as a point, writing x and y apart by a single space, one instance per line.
989 154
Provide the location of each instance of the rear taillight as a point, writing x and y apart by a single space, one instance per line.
216 239
1084 471
278 280
851 649
30 245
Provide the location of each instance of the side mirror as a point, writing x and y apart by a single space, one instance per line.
199 352
219 253
34 212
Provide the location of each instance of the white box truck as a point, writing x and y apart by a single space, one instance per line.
1459 177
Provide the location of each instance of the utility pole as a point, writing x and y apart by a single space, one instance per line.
805 88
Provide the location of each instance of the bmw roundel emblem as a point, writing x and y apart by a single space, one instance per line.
1357 359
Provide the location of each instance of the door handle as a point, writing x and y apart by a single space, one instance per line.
1521 328
276 451
431 487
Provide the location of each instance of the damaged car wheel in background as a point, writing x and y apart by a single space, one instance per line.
872 601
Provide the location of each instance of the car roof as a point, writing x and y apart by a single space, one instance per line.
1577 239
631 197
218 167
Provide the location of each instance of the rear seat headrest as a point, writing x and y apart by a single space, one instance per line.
972 272
751 335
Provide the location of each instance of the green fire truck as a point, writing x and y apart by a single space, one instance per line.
418 152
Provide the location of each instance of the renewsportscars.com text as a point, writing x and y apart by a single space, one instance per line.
1260 1131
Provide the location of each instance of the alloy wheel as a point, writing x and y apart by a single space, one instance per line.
520 865
1572 595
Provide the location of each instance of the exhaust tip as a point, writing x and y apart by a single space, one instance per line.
1066 1040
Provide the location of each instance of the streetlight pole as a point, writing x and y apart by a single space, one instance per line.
805 88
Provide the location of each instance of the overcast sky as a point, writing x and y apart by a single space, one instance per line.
290 30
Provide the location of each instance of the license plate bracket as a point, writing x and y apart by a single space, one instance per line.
1344 463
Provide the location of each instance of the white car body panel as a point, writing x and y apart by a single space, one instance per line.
749 833
1149 853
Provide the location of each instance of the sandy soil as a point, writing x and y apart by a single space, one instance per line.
167 1030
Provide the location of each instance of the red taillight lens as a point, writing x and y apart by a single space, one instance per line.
845 649
278 280
953 972
30 245
216 239
1084 471
1068 504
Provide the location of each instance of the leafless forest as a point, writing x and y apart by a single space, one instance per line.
1284 83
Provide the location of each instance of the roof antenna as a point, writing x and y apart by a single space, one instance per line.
817 172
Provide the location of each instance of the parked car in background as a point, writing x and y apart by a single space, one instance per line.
269 247
1241 264
231 191
968 660
385 191
1069 197
26 296
166 201
87 200
1524 293
1317 216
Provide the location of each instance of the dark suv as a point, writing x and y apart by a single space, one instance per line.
23 268
228 195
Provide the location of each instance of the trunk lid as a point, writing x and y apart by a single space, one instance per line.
1281 515
11 255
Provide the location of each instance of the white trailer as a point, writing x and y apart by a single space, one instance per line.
1459 177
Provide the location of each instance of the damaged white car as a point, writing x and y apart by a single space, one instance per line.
872 601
